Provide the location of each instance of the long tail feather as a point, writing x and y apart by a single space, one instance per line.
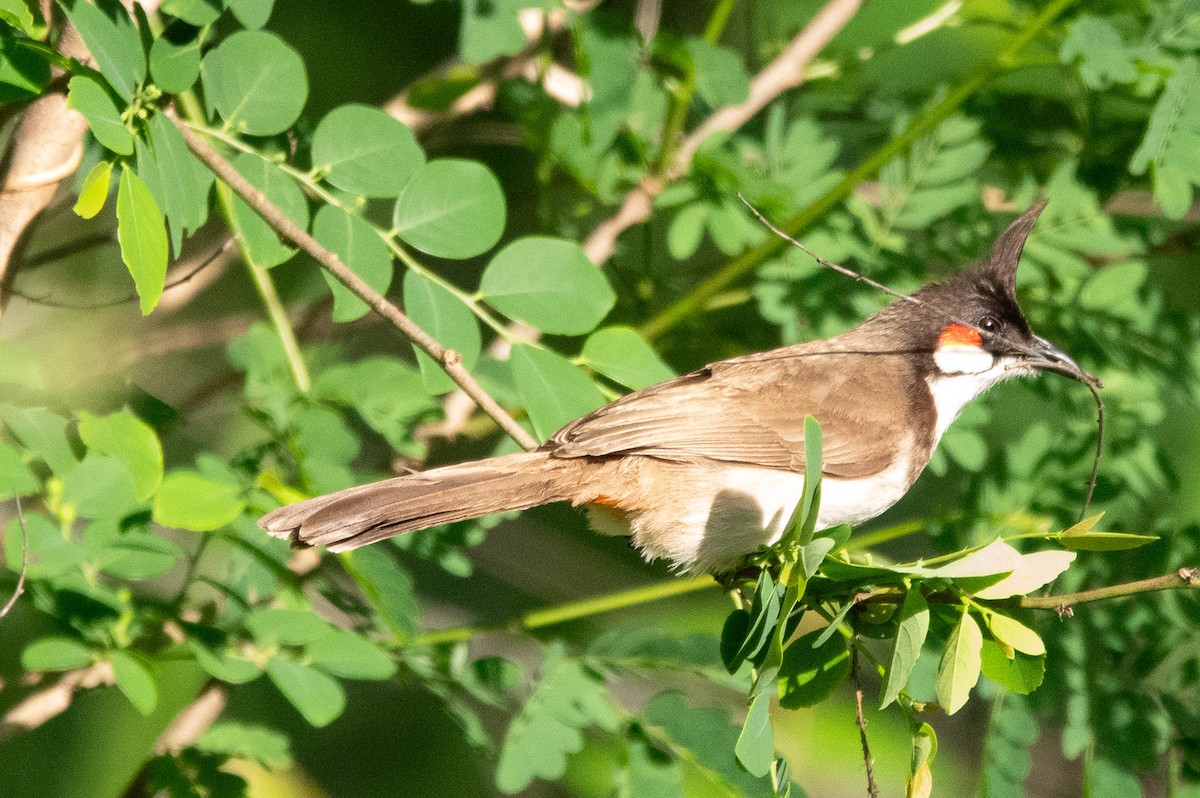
358 516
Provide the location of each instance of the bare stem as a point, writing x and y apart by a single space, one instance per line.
538 619
1183 579
450 360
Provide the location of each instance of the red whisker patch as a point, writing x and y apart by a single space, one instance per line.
959 335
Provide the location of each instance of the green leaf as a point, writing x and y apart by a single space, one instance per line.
360 247
910 638
132 441
958 670
687 230
188 500
24 68
175 57
651 772
43 433
100 487
553 390
708 735
450 322
1103 58
490 29
267 747
756 744
228 666
1169 146
547 283
196 12
316 696
138 555
1034 571
452 209
113 41
55 654
17 14
622 355
387 587
256 81
253 14
1113 286
721 77
262 243
273 625
1015 634
995 558
179 183
94 191
365 151
87 96
15 477
809 675
50 553
143 238
352 657
567 699
134 679
1020 673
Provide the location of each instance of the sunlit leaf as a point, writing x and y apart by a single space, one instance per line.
553 390
143 236
548 283
365 151
959 668
256 81
910 638
452 209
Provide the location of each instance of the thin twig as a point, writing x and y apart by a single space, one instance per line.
1183 579
131 296
450 360
868 762
20 588
193 720
784 73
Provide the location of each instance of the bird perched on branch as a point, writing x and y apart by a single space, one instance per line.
705 468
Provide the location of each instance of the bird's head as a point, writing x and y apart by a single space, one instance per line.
971 324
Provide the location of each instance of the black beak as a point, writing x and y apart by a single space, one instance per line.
1048 357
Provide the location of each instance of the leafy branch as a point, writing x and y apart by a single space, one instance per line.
449 360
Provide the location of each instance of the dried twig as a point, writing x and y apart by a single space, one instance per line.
20 588
449 360
54 700
785 72
193 720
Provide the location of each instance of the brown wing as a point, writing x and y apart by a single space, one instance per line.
751 411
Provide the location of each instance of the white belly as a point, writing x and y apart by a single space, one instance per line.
747 507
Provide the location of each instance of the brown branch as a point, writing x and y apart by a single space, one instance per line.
193 720
1183 579
52 701
860 718
450 360
784 73
46 147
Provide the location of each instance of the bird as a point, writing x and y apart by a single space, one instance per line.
708 467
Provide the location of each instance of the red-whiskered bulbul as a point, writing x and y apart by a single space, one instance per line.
705 468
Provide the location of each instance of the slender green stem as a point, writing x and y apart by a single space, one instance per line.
263 283
698 297
681 99
885 535
269 296
572 611
717 21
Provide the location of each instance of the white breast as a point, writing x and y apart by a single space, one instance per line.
745 507
965 373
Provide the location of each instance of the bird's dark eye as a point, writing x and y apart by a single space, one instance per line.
989 324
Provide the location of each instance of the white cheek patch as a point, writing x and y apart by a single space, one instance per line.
963 359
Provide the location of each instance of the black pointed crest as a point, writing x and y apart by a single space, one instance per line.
1007 249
